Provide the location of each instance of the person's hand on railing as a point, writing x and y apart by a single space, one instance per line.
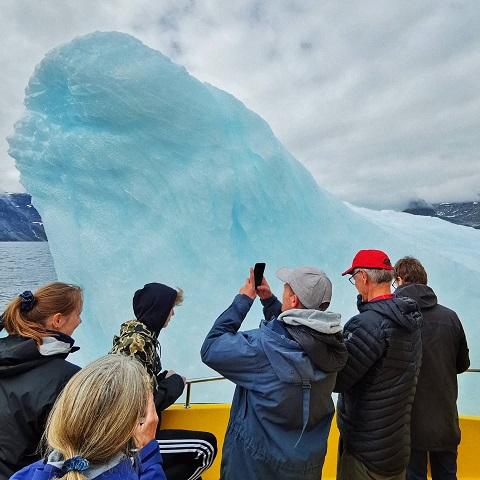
172 372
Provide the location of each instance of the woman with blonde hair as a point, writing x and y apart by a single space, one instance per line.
102 426
33 369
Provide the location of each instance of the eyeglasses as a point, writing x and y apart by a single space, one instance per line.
395 283
351 279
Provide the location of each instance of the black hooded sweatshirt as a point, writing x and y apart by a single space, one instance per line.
434 424
29 385
152 305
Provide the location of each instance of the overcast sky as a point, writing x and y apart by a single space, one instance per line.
380 100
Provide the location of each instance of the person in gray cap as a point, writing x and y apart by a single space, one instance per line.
284 373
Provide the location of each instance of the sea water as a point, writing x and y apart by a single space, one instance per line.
23 266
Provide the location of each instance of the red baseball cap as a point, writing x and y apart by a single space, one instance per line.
370 259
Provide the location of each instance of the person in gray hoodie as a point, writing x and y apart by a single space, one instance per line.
284 373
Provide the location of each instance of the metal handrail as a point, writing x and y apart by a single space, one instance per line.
189 383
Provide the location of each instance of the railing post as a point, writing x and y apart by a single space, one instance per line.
187 397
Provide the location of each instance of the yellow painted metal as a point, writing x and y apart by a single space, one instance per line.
214 418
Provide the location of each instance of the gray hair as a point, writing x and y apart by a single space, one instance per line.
96 414
379 275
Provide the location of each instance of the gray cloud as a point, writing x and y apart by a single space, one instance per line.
379 100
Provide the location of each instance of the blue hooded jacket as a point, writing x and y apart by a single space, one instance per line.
282 408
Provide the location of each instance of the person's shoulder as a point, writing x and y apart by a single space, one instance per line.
134 326
446 315
133 332
365 317
122 471
445 310
69 369
37 470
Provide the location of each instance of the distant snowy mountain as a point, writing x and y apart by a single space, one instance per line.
19 220
467 213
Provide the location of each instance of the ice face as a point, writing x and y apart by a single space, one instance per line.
142 173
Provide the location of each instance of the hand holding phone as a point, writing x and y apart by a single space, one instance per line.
258 273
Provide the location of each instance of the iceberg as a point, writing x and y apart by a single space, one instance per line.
142 173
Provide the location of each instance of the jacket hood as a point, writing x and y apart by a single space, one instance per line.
422 294
403 311
319 335
288 358
323 322
152 304
20 354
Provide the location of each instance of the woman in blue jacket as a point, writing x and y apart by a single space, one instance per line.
98 429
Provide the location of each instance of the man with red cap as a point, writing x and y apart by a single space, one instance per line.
377 385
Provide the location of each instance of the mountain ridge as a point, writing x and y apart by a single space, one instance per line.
19 219
461 213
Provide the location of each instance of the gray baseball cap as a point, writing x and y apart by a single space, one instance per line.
309 284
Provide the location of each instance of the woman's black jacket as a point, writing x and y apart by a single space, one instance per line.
29 386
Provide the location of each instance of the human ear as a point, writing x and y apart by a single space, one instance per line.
56 321
295 301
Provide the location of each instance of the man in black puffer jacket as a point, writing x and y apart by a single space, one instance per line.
377 385
435 429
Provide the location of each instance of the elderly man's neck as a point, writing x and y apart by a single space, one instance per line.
375 291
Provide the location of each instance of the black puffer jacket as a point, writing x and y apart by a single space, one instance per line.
445 354
378 383
29 386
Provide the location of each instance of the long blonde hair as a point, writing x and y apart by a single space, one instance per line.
97 413
56 297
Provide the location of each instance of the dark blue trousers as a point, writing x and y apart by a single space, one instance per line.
443 465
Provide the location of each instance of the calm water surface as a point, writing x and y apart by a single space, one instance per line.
23 266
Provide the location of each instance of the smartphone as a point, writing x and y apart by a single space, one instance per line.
258 272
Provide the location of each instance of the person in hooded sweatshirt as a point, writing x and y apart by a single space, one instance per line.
284 373
186 453
33 367
434 429
377 385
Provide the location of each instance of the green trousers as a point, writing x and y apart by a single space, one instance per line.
350 468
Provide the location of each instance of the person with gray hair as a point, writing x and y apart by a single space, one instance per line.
377 385
98 429
284 373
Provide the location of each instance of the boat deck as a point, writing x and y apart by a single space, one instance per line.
214 418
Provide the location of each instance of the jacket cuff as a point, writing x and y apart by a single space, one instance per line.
269 301
241 298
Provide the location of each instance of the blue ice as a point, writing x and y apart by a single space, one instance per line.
143 173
